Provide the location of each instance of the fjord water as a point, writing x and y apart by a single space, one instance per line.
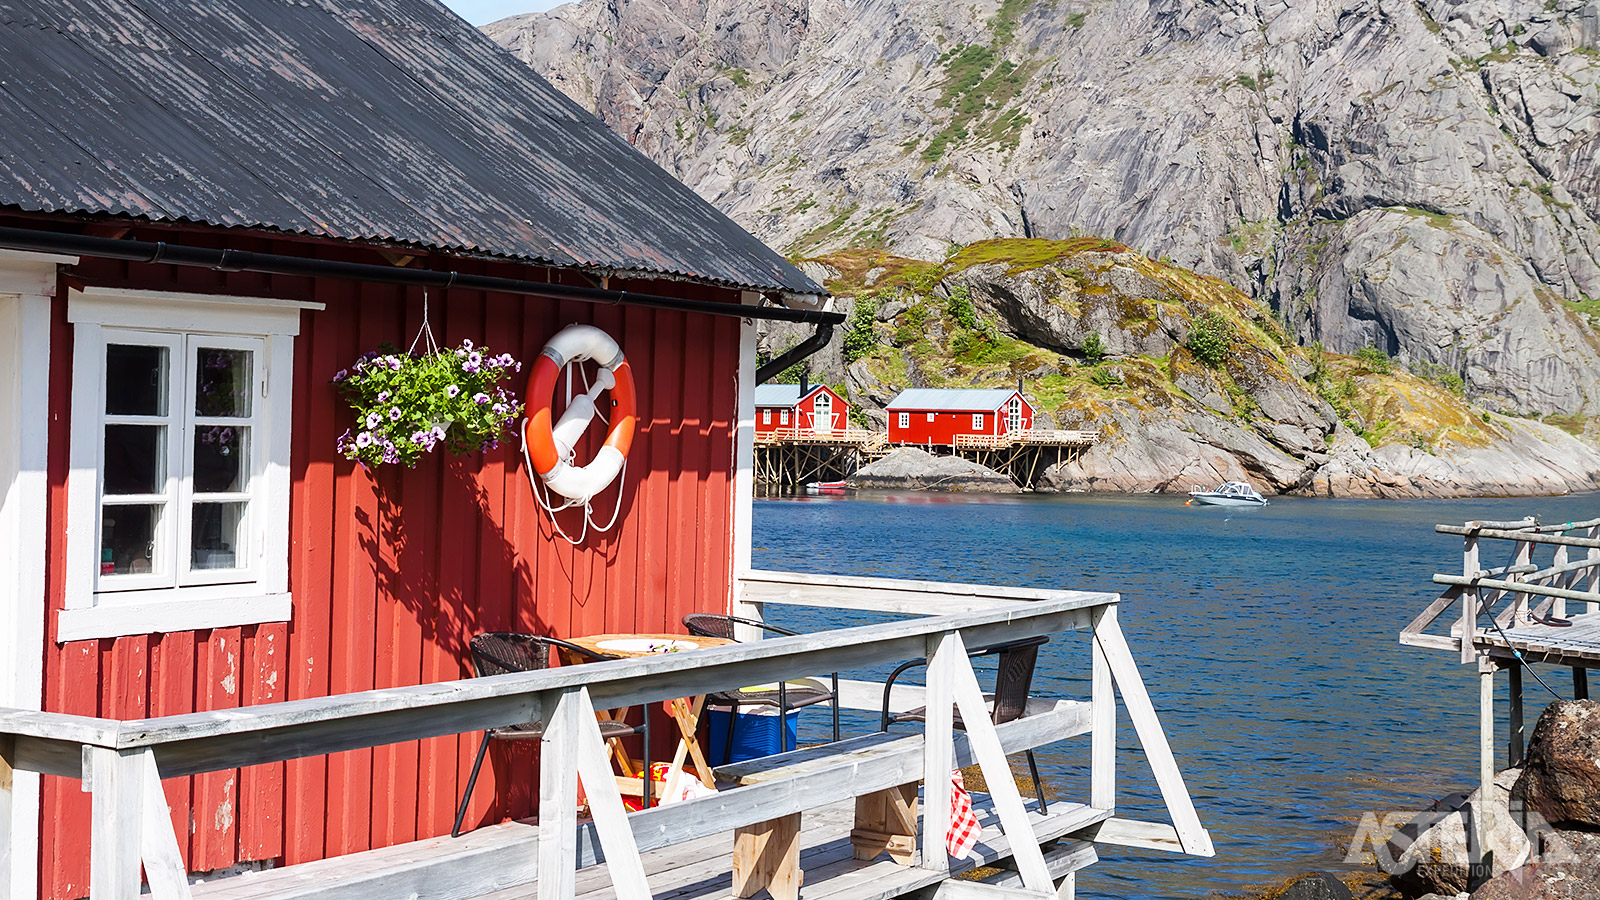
1267 638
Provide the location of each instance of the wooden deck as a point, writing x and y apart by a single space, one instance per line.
804 802
698 870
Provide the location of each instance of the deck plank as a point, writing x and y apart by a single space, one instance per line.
695 870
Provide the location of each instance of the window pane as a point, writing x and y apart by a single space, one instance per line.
136 457
136 380
221 458
128 538
217 537
222 382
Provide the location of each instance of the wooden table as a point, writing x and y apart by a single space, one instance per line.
684 711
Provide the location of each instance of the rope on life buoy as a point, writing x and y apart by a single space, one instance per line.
547 448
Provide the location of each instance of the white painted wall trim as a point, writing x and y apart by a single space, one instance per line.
27 283
744 454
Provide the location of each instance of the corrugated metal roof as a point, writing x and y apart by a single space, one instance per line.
375 120
778 394
952 399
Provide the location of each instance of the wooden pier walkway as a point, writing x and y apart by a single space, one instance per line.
1502 618
797 824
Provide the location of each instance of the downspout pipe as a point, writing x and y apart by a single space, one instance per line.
37 241
805 348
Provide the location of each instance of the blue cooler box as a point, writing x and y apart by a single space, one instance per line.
754 735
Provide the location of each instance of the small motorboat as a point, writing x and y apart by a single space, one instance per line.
825 487
1229 493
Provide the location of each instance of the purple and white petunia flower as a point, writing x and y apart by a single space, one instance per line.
480 398
452 391
383 396
394 414
373 419
364 439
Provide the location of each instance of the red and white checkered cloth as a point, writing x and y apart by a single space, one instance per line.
964 828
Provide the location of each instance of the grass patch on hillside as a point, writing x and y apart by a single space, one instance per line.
980 86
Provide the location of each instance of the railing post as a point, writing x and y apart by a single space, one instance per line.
1469 598
117 799
8 852
1103 724
1520 601
1594 570
1558 605
938 754
558 799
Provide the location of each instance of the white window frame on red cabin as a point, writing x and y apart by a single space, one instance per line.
977 421
783 417
905 419
766 417
181 596
930 417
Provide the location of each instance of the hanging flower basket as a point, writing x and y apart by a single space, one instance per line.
406 406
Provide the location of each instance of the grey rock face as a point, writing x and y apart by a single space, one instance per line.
1425 176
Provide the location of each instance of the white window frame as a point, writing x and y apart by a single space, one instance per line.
930 417
766 417
977 421
783 417
905 420
258 590
822 413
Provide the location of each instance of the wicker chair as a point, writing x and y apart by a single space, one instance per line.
788 696
503 652
1013 680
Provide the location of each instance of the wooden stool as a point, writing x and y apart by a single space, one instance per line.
767 855
887 820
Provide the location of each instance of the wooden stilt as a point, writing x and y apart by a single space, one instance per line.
1580 683
1514 739
1483 860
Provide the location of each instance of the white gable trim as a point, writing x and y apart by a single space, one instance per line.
27 282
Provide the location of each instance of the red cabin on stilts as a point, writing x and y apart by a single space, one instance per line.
800 410
937 416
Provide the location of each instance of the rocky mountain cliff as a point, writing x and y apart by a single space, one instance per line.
1420 176
1189 381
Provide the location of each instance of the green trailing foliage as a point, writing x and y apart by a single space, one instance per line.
1443 376
1106 377
1372 361
1211 339
1094 348
860 335
960 307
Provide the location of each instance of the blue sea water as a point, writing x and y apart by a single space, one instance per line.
1267 638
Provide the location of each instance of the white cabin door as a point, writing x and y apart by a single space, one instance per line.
1014 416
822 414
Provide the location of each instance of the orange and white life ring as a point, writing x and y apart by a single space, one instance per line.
549 446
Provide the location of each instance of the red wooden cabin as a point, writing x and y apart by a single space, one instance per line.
284 188
937 416
800 410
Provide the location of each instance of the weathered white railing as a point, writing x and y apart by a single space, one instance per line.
1525 606
121 763
1504 593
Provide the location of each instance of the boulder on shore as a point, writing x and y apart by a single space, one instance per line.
1430 853
911 469
1561 772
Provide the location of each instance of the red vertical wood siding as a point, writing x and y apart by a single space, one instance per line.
392 572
